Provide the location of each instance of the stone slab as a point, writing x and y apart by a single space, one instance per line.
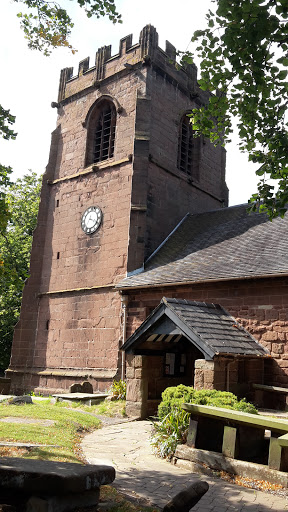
218 462
85 398
52 478
62 503
27 421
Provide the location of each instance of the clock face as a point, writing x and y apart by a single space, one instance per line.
91 219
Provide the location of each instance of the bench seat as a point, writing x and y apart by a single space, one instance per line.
237 434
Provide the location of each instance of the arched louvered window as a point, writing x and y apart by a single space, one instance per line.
101 133
188 149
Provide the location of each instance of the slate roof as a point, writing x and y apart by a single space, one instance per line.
208 326
228 243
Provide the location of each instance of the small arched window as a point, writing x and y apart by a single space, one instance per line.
188 149
101 133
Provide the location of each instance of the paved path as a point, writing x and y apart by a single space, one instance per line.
126 446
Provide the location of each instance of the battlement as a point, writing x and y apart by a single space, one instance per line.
130 57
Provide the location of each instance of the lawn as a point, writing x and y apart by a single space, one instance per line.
60 425
63 434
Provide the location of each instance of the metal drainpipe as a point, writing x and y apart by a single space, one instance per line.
124 304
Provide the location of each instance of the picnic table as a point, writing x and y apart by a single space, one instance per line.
239 435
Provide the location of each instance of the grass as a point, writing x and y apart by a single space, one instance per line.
63 434
70 421
105 408
120 503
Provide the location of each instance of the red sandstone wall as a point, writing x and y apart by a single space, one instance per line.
77 331
261 306
64 327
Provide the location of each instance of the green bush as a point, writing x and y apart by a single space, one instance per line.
173 425
174 397
118 390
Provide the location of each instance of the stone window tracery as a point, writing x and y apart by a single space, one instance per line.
101 133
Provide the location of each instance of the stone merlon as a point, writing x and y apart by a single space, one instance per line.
145 52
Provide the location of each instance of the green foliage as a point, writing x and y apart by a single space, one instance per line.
118 389
47 25
6 120
244 64
174 397
63 434
172 427
169 432
22 200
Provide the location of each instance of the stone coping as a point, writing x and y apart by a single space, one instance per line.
52 478
203 461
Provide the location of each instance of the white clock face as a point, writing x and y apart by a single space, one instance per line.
91 219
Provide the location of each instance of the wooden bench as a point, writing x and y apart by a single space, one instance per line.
277 392
238 434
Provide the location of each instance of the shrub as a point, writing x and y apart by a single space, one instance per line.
173 425
118 390
169 432
174 397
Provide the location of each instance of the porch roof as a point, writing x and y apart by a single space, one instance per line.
208 326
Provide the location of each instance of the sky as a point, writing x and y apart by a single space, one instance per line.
29 80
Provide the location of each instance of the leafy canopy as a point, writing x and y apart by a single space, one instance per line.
49 25
22 199
244 63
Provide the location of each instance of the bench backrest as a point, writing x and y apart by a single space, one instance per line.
244 418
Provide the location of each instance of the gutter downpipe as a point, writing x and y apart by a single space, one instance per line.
124 304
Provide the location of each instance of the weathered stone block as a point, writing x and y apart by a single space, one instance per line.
130 373
52 478
134 409
204 365
139 373
137 361
134 390
185 500
62 503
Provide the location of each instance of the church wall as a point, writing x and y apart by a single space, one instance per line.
141 202
168 193
260 305
67 330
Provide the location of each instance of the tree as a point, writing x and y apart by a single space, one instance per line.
46 26
49 25
6 119
244 62
22 199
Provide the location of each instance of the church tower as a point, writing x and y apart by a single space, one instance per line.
123 171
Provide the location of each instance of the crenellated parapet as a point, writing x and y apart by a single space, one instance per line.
130 57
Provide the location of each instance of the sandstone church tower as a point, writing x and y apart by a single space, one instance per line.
123 171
